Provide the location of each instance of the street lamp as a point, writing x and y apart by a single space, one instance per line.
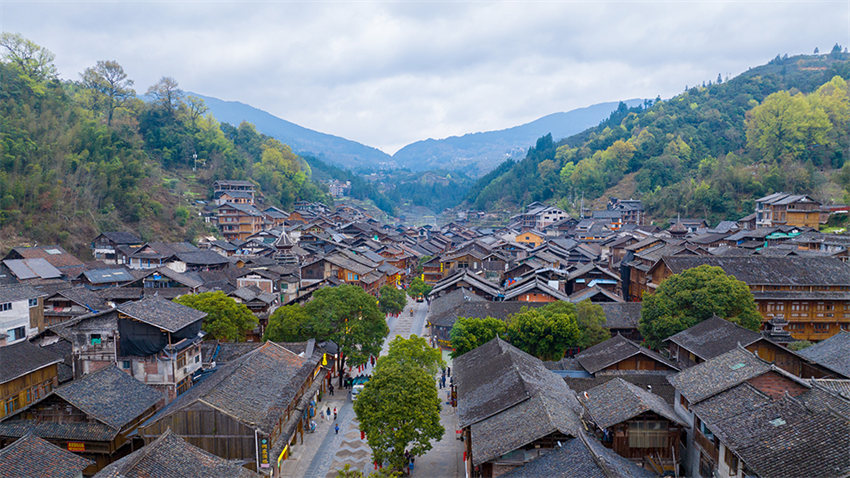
194 161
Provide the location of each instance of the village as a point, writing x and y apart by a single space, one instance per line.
103 374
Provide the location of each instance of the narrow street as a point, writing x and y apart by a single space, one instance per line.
324 452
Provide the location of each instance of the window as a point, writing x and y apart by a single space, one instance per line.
17 333
95 339
821 328
125 364
648 434
797 327
197 358
33 302
731 461
5 306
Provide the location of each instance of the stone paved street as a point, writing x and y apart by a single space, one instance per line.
325 452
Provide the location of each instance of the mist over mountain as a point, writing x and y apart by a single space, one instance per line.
474 154
478 153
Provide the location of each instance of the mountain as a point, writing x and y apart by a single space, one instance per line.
304 141
478 153
475 154
707 152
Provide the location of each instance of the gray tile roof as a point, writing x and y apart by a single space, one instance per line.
713 337
509 399
119 237
833 353
656 380
718 374
785 438
165 314
32 457
613 350
621 315
85 297
111 396
22 358
17 292
581 457
618 400
254 388
73 431
169 456
766 270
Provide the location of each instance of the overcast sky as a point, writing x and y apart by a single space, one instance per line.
390 73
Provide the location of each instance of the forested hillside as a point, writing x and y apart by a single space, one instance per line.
707 152
89 155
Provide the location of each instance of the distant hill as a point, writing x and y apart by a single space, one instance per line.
707 152
478 153
475 154
304 141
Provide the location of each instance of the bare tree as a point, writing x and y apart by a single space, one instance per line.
109 86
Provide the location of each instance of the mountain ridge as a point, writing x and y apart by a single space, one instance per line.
472 153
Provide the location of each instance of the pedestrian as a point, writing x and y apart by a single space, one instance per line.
336 429
329 413
334 413
331 389
450 371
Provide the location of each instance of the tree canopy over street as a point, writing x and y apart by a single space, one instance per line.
686 299
470 332
392 300
399 408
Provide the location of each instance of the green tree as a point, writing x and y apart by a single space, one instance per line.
418 287
31 60
685 299
349 317
799 345
591 323
414 349
470 332
226 319
167 94
108 86
392 300
399 409
289 323
544 332
347 472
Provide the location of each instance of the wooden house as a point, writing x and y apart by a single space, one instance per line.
715 336
67 304
620 353
781 209
238 221
21 313
511 409
95 416
159 343
531 238
811 293
106 245
28 374
252 410
636 424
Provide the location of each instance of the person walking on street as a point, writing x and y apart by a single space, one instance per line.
331 389
329 413
336 429
334 413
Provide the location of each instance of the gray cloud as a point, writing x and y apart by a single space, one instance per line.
389 73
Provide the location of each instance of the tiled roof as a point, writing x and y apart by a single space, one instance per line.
202 257
766 270
254 388
31 457
35 268
833 353
55 255
165 314
169 456
613 350
509 399
645 379
718 374
22 358
621 315
787 438
16 292
535 284
105 276
111 396
713 337
581 457
618 400
72 431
